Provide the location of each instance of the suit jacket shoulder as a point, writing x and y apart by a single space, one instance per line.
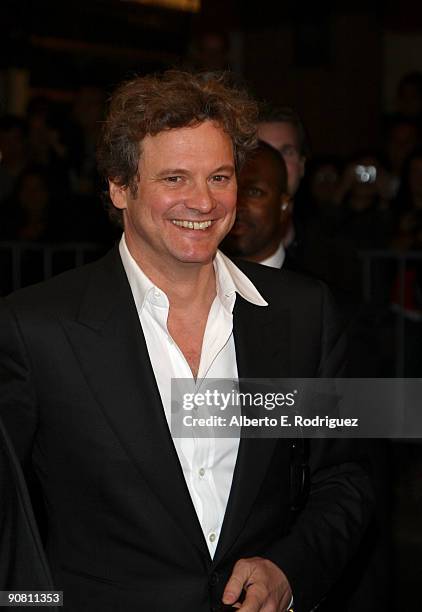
64 292
303 315
275 280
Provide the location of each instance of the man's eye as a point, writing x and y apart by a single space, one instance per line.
173 179
220 178
254 192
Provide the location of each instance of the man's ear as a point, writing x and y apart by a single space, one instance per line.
285 206
118 195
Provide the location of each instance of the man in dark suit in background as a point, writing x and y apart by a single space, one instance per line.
263 209
137 520
282 128
256 236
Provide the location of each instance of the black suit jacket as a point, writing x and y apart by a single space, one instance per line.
80 400
23 565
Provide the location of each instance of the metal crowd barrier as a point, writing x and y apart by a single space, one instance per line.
45 260
17 257
401 259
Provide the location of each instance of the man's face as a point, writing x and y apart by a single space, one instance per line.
283 136
186 198
257 231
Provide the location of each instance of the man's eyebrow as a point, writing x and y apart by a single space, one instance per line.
225 168
168 171
176 171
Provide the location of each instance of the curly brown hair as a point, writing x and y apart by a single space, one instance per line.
173 99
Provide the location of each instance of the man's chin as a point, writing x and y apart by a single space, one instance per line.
196 258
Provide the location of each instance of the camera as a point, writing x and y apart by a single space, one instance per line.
365 174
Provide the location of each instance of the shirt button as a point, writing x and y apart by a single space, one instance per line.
212 537
202 472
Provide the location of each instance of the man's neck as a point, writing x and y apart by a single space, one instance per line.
190 292
187 285
276 259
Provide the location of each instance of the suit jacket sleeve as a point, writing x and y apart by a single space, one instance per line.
327 532
22 561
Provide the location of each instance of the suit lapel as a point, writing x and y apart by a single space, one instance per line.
262 340
262 343
109 343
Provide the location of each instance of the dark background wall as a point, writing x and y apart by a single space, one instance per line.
336 63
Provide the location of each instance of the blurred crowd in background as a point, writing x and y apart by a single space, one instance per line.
345 208
357 221
47 168
50 190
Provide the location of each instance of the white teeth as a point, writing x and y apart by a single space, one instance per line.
195 225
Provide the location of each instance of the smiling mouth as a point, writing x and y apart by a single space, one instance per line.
195 225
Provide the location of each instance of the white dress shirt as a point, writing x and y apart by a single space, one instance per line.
207 463
275 260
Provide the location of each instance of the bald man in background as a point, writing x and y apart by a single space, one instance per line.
282 128
266 186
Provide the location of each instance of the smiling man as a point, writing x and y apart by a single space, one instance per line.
136 520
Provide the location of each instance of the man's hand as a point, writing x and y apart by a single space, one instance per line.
266 586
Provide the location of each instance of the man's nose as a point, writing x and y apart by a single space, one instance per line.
202 198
